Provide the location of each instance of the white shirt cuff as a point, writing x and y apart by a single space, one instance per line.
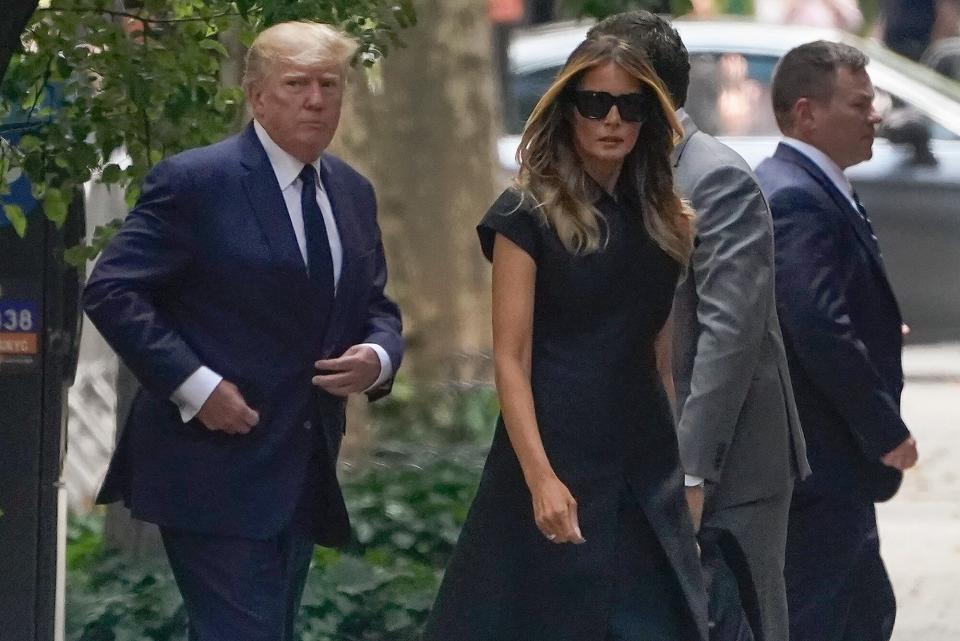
386 367
194 392
689 480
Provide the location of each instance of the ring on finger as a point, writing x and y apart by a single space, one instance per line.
551 537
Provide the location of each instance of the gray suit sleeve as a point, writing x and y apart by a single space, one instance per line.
732 267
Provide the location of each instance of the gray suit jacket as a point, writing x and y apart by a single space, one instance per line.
738 424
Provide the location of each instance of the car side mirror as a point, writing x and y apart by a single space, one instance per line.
907 126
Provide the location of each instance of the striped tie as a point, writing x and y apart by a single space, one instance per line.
865 218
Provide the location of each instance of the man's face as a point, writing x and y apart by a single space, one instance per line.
299 106
844 127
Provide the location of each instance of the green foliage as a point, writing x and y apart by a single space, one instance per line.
441 415
407 507
411 501
98 83
407 502
109 600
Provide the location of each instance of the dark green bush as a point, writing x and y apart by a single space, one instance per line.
108 600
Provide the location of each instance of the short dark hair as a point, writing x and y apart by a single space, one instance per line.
810 71
656 38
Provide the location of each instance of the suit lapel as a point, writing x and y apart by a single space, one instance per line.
270 210
785 152
266 201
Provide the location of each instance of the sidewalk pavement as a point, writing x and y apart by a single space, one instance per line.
920 527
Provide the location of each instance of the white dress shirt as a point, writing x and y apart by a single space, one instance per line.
826 165
194 392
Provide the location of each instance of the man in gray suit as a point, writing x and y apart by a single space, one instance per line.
740 440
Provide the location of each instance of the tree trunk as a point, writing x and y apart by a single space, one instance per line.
422 127
16 15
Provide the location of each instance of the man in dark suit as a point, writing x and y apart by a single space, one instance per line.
739 434
843 333
245 292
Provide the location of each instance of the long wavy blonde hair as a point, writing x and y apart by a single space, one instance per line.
552 174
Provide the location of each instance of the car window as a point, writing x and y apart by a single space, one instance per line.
522 95
729 94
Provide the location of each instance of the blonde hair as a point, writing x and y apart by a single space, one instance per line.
552 173
300 43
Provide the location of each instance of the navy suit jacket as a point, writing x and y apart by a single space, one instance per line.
206 270
842 330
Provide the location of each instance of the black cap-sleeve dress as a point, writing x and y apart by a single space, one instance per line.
608 433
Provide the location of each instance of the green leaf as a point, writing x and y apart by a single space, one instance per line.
29 143
54 206
111 174
13 175
17 218
395 620
213 45
354 576
78 255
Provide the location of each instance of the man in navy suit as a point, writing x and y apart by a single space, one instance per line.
843 334
246 292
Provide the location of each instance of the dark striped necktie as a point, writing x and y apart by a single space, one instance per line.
865 218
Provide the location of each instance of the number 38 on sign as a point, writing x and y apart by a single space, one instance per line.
19 327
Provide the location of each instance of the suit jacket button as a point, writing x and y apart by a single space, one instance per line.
307 425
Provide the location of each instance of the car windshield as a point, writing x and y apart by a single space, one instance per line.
730 89
917 72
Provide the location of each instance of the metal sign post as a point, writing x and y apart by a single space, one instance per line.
39 337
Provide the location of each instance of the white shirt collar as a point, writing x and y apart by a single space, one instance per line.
825 163
285 166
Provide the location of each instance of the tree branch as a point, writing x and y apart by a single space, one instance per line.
41 88
134 16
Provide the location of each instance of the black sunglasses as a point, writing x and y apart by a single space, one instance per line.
595 105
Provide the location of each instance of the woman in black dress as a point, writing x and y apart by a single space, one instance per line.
579 530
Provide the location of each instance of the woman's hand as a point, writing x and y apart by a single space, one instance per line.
555 511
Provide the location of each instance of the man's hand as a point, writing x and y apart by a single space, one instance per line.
226 411
903 456
695 504
353 372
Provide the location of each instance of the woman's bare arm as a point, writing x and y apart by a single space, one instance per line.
514 280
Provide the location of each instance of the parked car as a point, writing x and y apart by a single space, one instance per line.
911 186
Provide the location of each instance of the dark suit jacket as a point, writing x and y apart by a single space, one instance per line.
206 271
841 326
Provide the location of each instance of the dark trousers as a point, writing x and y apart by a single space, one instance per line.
240 589
837 585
